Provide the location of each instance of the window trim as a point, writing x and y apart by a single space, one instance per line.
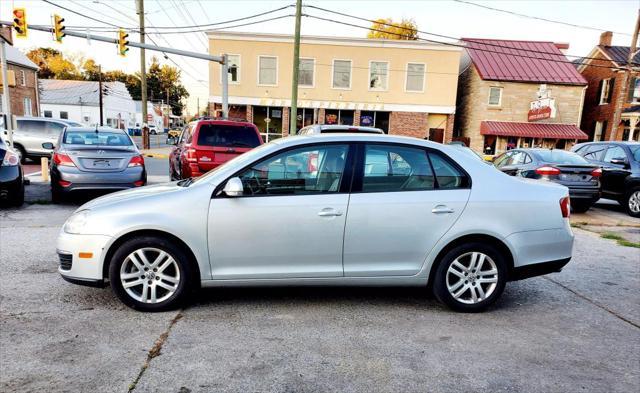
313 79
23 76
239 69
333 68
499 104
603 97
258 69
386 88
406 77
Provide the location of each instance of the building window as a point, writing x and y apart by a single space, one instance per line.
337 116
415 77
269 121
634 90
48 114
306 72
375 119
378 75
27 106
606 90
599 130
495 96
234 69
341 74
64 115
267 70
305 117
23 78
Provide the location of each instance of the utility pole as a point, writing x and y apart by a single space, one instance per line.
225 88
100 94
198 108
6 101
622 94
293 115
143 72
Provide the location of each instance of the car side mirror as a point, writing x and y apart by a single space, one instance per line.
619 161
48 146
234 187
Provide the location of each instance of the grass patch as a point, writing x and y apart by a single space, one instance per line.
579 224
619 239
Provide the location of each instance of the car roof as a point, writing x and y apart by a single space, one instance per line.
359 137
343 127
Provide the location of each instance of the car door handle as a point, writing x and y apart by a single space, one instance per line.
442 209
328 212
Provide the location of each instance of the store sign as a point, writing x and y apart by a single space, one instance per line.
366 121
544 107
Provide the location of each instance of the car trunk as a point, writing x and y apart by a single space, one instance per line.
575 175
102 159
210 157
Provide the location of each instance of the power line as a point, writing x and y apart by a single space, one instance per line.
78 13
535 17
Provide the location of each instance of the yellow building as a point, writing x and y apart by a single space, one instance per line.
403 87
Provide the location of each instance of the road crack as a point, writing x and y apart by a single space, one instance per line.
155 351
595 303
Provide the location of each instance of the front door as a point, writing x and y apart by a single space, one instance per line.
289 222
405 199
614 174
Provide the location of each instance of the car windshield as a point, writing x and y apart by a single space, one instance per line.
227 136
92 138
561 157
635 152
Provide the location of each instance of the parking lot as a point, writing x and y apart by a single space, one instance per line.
578 330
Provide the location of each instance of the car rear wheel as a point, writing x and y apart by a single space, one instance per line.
580 207
22 154
470 277
151 274
632 202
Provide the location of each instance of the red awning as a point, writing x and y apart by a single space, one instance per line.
532 130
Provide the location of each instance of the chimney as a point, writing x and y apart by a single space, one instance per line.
605 38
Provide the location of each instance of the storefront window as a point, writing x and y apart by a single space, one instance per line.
337 116
512 142
305 117
375 119
490 144
268 119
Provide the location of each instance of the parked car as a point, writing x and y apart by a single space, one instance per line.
208 143
332 128
434 217
95 158
620 162
32 132
11 176
559 166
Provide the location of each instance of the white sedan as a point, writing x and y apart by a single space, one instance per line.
333 209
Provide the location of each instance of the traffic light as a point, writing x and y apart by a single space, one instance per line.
58 28
20 22
122 42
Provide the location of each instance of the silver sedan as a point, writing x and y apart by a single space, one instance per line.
337 209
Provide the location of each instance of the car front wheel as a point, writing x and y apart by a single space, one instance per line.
151 274
632 202
470 277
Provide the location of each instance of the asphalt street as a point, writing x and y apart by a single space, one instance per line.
578 330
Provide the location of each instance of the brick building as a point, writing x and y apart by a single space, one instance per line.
518 94
402 87
22 75
602 69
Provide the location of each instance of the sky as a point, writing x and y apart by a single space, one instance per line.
444 17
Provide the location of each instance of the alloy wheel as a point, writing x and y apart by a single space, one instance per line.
467 282
150 275
634 202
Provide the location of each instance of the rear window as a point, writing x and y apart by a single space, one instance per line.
96 138
561 157
227 136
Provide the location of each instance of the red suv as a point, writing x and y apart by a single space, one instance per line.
206 144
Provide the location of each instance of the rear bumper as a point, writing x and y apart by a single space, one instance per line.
584 193
80 180
11 181
538 269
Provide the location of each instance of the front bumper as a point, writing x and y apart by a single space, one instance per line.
86 268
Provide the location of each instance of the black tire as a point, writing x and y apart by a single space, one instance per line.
628 202
22 152
184 288
580 207
56 194
463 251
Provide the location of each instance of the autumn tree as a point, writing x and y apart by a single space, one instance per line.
386 28
53 64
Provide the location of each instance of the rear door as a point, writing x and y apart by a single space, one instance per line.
405 199
31 134
218 143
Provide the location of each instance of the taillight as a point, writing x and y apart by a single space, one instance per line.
136 161
138 183
547 171
596 172
64 183
565 207
191 155
10 159
62 160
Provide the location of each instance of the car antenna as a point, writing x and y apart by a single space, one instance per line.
96 128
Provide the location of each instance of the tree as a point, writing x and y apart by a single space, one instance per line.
387 29
163 80
53 64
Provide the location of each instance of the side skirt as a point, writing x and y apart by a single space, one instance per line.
403 281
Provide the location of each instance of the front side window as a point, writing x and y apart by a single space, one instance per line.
307 170
267 70
495 96
342 74
593 152
415 77
614 153
396 168
305 74
234 68
378 75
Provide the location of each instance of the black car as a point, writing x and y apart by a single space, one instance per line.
620 162
11 177
559 166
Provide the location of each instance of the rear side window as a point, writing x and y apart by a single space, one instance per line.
396 168
31 126
227 136
448 175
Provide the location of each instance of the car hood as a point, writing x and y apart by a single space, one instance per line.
132 194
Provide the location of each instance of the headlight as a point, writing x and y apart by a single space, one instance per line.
76 222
